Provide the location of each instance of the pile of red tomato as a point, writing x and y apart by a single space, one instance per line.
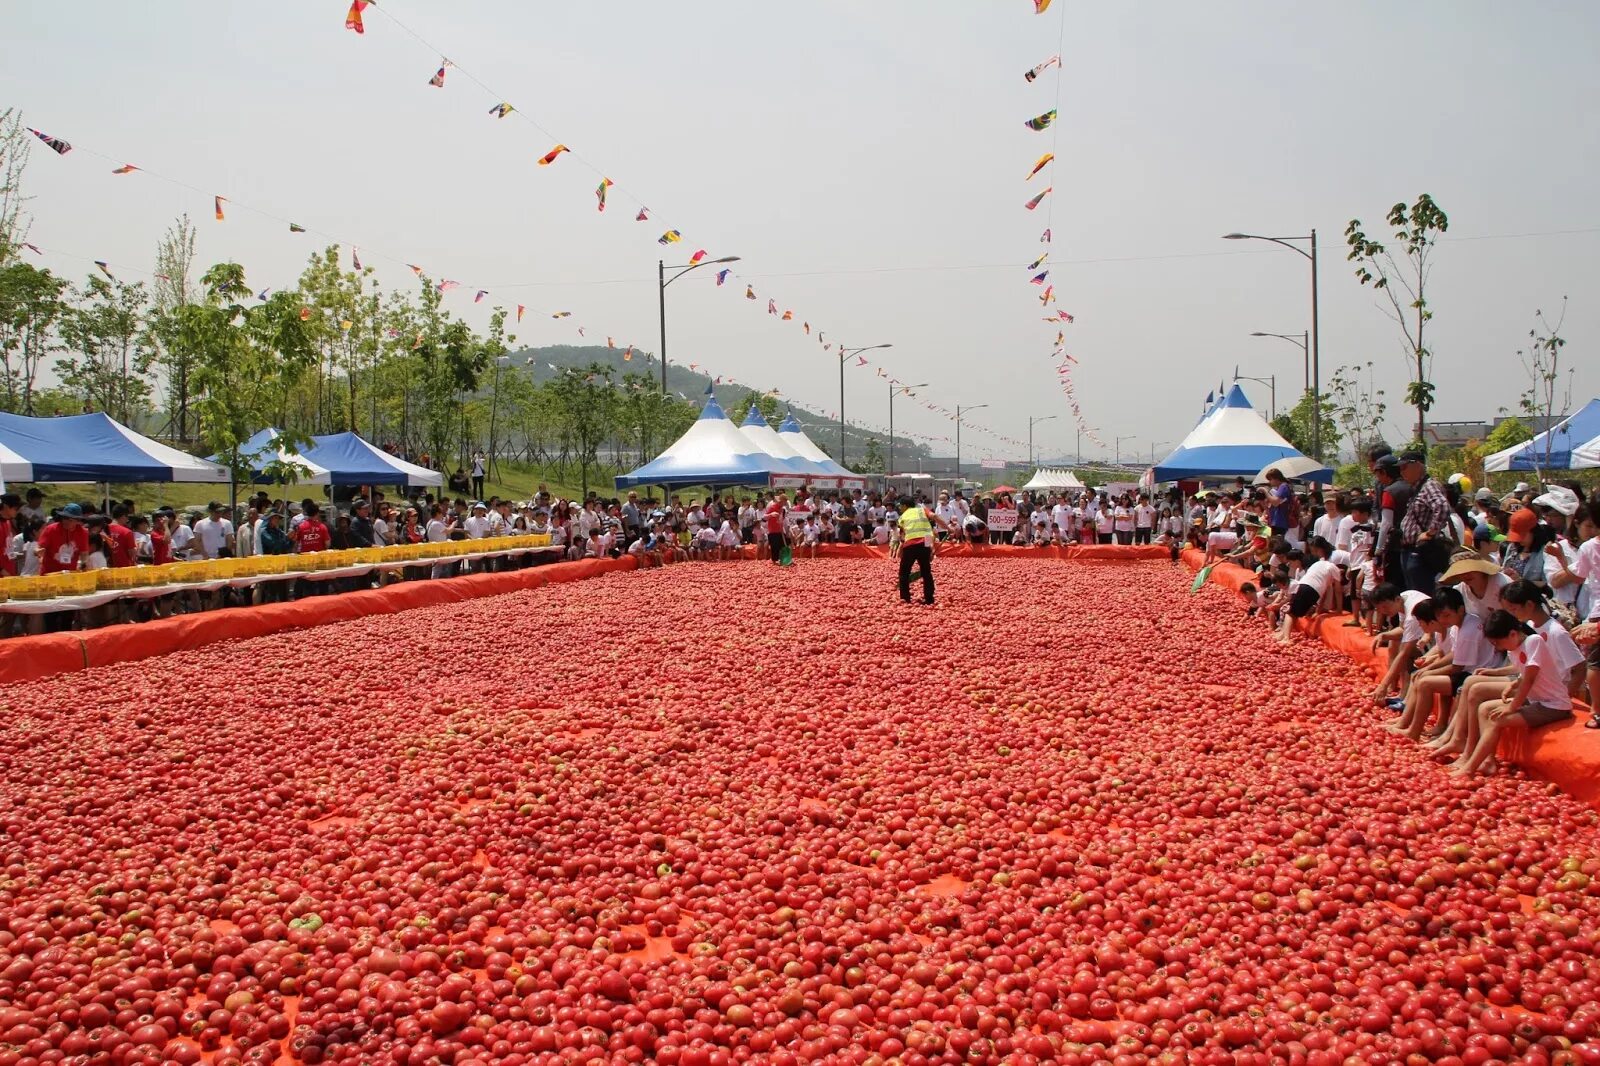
716 814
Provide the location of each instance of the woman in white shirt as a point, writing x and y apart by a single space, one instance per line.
1123 517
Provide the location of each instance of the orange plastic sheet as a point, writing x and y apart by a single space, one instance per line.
1563 754
43 655
1069 553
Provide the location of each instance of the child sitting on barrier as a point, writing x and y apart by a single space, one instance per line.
1542 695
1441 673
1401 639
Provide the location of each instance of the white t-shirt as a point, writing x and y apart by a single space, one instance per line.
1341 535
181 537
1411 629
728 536
1588 568
380 532
436 533
213 534
1550 686
1061 515
1470 649
26 553
1103 522
477 527
1320 575
1568 654
1359 541
1490 601
1144 516
1124 519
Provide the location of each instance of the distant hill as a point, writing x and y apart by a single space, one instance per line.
691 385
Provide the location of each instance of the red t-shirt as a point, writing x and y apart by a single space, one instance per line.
160 549
122 549
774 517
59 547
8 565
311 535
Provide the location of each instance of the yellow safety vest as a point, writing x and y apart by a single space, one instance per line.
914 525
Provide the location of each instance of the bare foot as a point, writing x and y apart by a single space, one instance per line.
1490 765
1393 727
1459 769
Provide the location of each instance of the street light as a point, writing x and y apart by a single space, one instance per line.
662 281
1031 423
1303 342
845 353
1153 446
1314 346
1271 382
1078 450
959 410
893 388
1118 460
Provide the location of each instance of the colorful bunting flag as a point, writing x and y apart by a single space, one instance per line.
600 191
1033 203
55 144
580 331
446 286
352 18
1044 238
1038 279
861 360
1048 295
788 316
562 314
722 276
1061 338
217 202
345 324
1039 262
610 343
772 307
672 236
1043 162
807 327
415 269
520 310
550 156
295 227
262 295
478 299
643 215
1053 61
34 248
1039 6
104 268
1042 122
501 110
1065 317
355 259
126 168
305 316
627 356
437 81
694 260
749 292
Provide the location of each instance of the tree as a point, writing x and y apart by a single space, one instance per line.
1404 281
872 458
31 306
1542 360
1358 407
1297 425
346 328
587 404
15 145
112 350
174 289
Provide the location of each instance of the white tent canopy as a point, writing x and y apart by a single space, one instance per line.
1047 478
1233 440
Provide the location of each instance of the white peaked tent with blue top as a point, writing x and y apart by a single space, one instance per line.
712 452
795 437
1571 444
1232 440
759 432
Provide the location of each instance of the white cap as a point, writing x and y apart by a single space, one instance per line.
1559 498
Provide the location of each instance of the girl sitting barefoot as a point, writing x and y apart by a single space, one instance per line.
1541 696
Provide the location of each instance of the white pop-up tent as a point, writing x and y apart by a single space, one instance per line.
1047 479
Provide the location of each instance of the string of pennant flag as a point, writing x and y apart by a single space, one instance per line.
607 189
1058 319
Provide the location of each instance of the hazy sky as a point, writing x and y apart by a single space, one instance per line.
867 161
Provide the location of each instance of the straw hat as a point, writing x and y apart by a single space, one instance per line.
1461 568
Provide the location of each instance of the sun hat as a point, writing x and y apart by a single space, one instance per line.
71 510
1463 567
1559 498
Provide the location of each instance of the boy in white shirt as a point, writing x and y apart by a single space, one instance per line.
727 541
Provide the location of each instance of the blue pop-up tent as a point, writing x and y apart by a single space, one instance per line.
712 452
92 447
334 459
1571 444
1233 440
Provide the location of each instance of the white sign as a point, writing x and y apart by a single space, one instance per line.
1002 519
993 464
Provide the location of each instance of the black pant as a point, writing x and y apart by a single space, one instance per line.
1141 535
477 486
775 543
922 555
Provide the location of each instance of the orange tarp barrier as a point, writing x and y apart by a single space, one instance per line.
1562 754
41 655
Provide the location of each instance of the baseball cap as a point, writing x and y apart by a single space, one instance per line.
1413 456
1483 495
71 510
1522 523
1559 498
1387 462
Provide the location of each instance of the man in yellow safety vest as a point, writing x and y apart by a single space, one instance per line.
916 530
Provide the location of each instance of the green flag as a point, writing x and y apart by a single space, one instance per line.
1200 578
785 556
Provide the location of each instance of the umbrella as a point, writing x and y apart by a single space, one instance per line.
1003 488
1291 467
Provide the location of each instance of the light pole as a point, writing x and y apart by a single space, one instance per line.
500 364
1303 342
662 281
1271 382
959 410
1118 460
845 353
1078 450
1031 423
893 388
1153 446
1315 347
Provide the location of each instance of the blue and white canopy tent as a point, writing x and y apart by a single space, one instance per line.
711 452
334 459
795 437
1571 444
759 432
1232 440
93 447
